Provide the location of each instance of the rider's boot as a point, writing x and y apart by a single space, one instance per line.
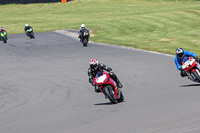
96 88
119 84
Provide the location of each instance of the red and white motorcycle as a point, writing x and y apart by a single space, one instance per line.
191 66
108 87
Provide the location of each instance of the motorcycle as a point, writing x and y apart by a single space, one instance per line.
30 33
191 66
84 37
108 87
4 37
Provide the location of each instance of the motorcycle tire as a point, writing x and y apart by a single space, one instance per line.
121 99
31 35
5 41
197 76
109 92
85 41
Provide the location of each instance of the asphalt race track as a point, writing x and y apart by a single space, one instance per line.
44 89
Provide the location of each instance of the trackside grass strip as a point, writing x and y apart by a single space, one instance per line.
155 25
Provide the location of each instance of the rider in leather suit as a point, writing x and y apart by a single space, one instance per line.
27 27
80 30
96 67
180 54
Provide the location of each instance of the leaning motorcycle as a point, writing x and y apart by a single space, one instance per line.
4 36
30 33
84 37
108 87
191 66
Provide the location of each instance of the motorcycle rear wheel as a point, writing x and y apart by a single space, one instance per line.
109 92
197 76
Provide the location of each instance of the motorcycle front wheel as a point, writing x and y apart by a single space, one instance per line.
121 99
4 40
31 35
109 92
196 74
85 41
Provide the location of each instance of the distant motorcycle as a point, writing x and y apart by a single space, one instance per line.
4 37
191 66
30 33
84 37
108 87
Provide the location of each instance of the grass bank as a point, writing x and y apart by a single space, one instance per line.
155 25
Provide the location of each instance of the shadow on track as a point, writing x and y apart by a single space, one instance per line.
109 103
190 85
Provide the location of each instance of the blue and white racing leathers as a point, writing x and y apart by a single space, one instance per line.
178 61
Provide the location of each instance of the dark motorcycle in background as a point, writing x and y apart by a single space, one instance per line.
191 66
30 33
3 36
84 37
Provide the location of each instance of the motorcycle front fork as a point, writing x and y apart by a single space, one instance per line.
190 76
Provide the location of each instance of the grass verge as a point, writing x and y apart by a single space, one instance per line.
155 25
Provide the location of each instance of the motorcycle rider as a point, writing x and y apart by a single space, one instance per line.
180 54
80 31
1 30
27 27
96 67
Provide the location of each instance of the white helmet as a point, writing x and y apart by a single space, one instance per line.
82 25
94 64
26 25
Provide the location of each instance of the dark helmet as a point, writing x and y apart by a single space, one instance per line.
94 64
180 52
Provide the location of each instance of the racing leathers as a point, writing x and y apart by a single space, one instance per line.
80 31
27 28
101 67
178 61
1 32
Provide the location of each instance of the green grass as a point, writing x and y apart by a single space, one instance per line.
155 25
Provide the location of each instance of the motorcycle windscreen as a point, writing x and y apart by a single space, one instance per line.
101 77
185 59
99 74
